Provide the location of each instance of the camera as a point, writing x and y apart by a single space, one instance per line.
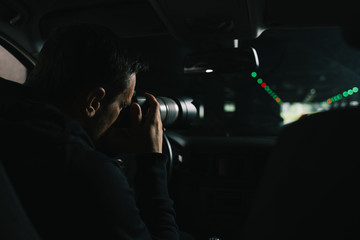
175 112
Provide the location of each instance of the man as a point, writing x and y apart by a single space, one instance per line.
83 79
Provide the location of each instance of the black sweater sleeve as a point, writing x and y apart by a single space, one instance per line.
115 212
156 207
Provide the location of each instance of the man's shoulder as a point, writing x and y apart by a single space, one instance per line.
85 157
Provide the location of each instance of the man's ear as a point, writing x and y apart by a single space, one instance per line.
93 98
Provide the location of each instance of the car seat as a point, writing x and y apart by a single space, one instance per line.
9 91
14 223
311 182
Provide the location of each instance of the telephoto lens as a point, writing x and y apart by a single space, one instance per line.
175 112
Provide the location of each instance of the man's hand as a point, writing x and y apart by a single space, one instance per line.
147 134
144 135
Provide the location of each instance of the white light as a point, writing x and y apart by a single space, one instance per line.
201 111
236 43
229 107
256 57
209 70
354 103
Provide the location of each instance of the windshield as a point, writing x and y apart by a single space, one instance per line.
301 72
312 70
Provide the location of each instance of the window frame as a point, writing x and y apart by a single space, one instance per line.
17 51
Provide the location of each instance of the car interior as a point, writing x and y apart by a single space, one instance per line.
263 140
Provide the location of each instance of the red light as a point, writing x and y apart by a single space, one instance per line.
263 85
304 115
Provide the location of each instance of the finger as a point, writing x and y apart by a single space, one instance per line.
154 107
150 98
135 115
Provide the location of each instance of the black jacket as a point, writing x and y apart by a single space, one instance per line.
72 191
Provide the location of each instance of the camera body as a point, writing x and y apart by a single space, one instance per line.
175 112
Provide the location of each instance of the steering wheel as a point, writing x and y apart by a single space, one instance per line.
167 149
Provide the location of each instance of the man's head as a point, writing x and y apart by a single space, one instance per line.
86 71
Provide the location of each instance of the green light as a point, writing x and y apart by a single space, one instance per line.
345 94
230 108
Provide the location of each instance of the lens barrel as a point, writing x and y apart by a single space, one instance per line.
174 112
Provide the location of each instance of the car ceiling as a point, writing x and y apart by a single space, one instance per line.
187 20
207 23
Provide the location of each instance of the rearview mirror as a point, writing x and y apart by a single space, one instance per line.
223 61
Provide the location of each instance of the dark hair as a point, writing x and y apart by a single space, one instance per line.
78 57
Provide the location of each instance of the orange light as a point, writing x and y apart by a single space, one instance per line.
329 101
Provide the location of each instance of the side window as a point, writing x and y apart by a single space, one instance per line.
11 68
